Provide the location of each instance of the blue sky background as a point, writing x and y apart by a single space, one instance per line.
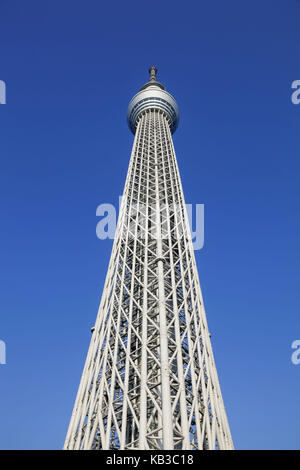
71 68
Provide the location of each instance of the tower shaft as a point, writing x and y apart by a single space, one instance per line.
149 381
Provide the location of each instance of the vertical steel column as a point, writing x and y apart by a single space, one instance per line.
167 421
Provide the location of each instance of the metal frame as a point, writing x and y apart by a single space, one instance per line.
150 381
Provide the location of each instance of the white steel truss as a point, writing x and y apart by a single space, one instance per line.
150 380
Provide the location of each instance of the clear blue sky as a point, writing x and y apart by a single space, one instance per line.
71 68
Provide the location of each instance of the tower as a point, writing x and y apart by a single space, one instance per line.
150 381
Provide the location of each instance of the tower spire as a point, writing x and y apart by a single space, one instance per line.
152 79
152 72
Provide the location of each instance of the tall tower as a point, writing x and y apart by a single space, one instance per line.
150 381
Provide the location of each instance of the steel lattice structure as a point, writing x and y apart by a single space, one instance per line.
150 380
